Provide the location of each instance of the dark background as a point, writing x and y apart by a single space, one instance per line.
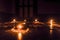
44 8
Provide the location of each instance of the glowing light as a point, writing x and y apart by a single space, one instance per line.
25 20
51 31
19 36
19 31
51 24
24 23
14 30
36 21
14 20
27 29
20 26
24 31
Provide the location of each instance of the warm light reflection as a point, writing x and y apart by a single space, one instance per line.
14 20
20 26
24 23
36 21
25 20
51 24
19 36
51 31
20 31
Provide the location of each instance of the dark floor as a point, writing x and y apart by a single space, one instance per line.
40 33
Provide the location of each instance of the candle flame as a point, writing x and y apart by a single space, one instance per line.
20 26
36 20
20 31
51 24
25 20
13 21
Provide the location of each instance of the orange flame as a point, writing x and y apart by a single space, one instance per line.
19 26
51 24
36 21
13 21
19 36
20 31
